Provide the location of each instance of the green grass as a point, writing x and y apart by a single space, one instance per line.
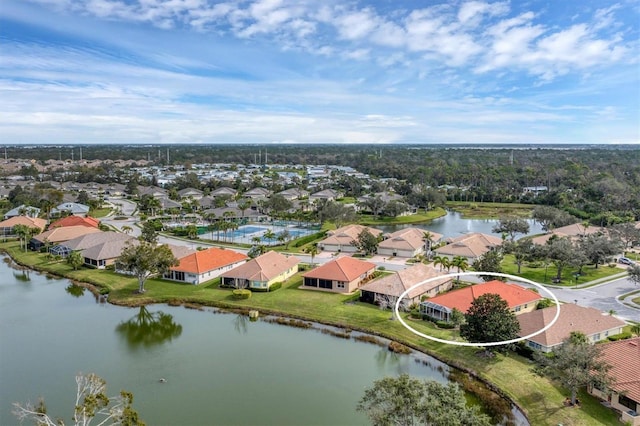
98 213
540 399
537 274
414 218
472 210
632 255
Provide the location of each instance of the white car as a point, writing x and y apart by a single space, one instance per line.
626 261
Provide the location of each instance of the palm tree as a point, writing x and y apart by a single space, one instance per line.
461 263
635 329
440 260
428 242
127 229
269 235
312 251
21 231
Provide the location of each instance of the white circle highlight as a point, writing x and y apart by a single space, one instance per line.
477 345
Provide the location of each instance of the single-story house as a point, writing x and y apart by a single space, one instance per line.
105 253
167 204
470 246
205 265
257 193
519 299
342 275
593 323
624 394
343 239
262 272
74 220
193 193
326 194
23 210
88 240
390 287
294 194
153 191
573 231
7 226
59 235
76 209
223 192
407 242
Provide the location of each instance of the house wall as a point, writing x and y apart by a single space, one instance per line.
387 251
595 337
614 399
282 277
527 307
196 279
342 248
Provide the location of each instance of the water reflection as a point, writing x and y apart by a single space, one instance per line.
22 275
74 290
148 329
240 323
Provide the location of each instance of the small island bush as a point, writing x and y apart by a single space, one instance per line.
241 293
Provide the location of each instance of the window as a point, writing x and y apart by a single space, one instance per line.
596 336
340 285
518 308
627 402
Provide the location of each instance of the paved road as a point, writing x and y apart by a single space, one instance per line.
603 297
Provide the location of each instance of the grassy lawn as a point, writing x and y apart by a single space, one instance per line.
98 213
537 273
540 399
471 210
414 218
632 255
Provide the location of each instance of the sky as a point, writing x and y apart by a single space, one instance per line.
319 71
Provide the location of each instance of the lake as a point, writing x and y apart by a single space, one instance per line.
219 368
453 225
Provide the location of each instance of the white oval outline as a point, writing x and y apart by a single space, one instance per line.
477 345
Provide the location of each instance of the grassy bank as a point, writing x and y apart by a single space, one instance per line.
420 217
541 400
471 210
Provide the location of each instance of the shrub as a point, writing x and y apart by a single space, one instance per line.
275 286
398 348
241 294
104 290
621 336
445 324
522 349
309 238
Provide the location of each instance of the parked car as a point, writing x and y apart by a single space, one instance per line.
626 261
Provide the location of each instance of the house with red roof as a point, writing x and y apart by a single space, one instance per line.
75 220
205 265
342 275
624 393
262 272
519 299
593 323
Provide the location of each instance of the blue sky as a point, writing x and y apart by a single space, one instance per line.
311 71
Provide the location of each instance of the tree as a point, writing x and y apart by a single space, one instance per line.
312 251
149 233
461 263
405 401
576 363
394 208
511 227
127 229
551 217
597 248
440 260
562 253
337 213
626 232
144 259
374 204
22 231
634 274
92 403
635 329
488 262
489 319
367 242
521 249
75 259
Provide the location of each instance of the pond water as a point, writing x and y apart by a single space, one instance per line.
219 368
453 225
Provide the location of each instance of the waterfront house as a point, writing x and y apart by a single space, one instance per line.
593 323
623 394
205 265
390 287
58 235
407 242
344 239
519 299
342 275
262 272
7 226
105 253
470 246
573 232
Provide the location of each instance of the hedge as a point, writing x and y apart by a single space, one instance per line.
274 287
241 294
621 336
309 238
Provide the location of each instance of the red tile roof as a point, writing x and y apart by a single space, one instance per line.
624 358
32 222
344 269
74 221
208 260
461 299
